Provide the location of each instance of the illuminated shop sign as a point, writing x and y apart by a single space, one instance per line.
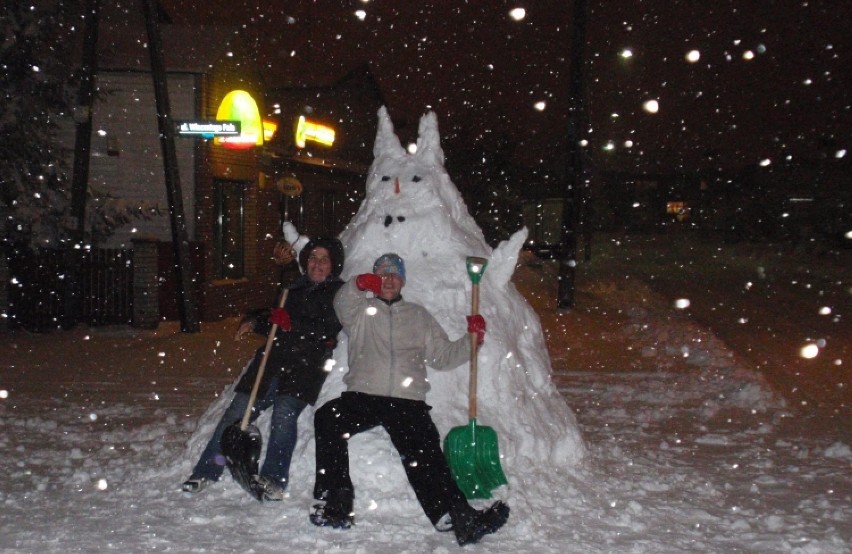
239 105
269 128
314 132
208 129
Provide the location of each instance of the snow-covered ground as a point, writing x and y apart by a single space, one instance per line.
96 428
625 425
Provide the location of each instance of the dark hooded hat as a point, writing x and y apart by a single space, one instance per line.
335 250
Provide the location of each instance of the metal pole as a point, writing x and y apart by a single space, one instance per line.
180 242
574 158
83 118
80 171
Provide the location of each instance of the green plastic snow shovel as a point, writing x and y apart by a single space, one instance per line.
241 443
472 450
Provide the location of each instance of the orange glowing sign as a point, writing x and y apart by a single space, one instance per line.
269 128
314 132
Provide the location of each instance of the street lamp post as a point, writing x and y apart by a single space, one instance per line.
80 170
575 174
187 307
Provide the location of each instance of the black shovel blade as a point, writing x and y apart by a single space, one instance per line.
242 452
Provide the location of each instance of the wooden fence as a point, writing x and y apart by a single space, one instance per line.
50 288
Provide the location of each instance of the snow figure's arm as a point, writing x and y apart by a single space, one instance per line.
504 259
441 352
292 236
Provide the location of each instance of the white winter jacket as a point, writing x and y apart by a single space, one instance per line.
390 345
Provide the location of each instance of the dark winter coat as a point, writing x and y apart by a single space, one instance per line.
298 356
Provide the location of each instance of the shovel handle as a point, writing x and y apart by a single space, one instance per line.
474 310
269 340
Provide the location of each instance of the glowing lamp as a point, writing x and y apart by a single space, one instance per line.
314 132
239 105
269 128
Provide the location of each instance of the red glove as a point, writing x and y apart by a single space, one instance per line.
476 324
281 318
370 282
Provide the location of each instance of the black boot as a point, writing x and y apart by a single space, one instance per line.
336 511
470 525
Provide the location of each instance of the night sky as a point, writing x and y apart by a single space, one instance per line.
769 82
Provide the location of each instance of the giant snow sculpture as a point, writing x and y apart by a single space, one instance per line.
412 208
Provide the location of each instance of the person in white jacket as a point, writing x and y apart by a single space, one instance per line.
391 342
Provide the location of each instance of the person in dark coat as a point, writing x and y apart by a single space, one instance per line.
294 373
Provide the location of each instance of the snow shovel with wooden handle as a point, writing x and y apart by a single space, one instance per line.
472 451
241 443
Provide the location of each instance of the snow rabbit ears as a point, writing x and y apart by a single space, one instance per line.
429 150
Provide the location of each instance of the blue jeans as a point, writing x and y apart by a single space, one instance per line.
282 435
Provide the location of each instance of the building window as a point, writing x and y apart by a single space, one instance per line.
229 228
328 213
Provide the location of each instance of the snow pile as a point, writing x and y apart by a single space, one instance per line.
670 454
412 208
840 451
671 339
